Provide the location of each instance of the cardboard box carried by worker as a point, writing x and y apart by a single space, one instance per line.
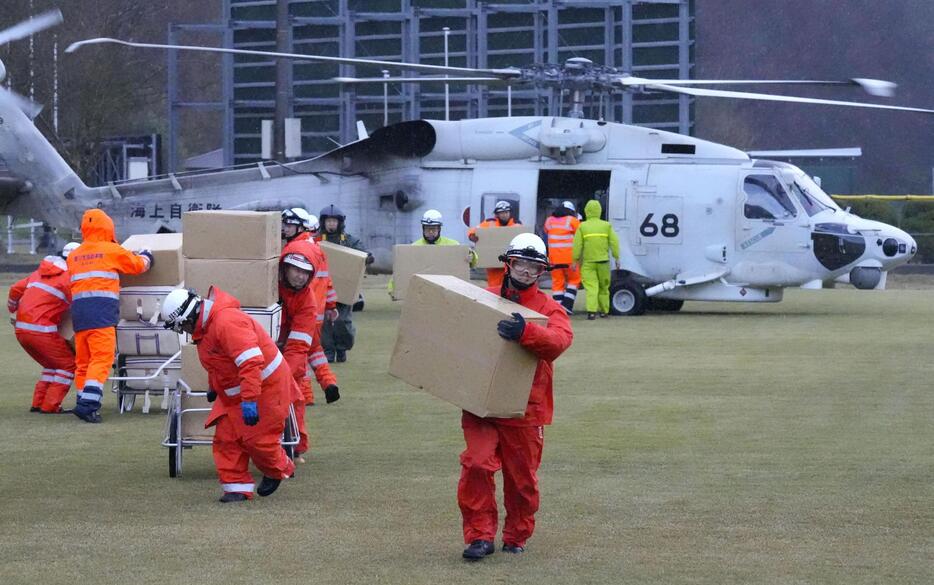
255 283
491 242
409 260
166 260
346 267
448 346
232 235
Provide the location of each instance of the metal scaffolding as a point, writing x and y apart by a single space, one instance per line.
648 38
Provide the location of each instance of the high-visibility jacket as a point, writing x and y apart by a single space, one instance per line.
321 285
95 268
559 232
40 299
595 239
299 326
490 223
242 361
546 343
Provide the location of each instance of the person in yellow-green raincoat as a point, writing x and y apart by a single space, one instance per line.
594 241
431 236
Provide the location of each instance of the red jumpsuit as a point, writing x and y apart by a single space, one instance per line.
297 338
95 268
513 444
243 364
325 300
494 276
39 301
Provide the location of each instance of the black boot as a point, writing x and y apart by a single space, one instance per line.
478 549
233 497
87 416
513 548
591 316
341 356
35 409
268 486
330 355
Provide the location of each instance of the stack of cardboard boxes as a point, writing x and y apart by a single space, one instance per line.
143 344
237 252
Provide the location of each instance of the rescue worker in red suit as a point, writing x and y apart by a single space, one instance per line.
95 267
38 303
251 389
298 231
503 218
298 333
513 445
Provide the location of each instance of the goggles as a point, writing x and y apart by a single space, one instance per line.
528 267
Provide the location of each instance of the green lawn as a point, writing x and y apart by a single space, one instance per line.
783 443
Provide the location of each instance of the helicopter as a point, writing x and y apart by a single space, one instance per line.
696 220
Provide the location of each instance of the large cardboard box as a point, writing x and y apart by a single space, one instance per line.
408 260
167 260
448 346
232 235
492 242
346 267
255 283
192 372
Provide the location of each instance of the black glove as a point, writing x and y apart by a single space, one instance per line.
511 329
148 254
331 394
212 396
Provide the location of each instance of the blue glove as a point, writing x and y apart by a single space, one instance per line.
148 254
511 330
250 413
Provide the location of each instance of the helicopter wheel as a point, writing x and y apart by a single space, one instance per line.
627 298
665 305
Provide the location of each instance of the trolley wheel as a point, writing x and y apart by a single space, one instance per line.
175 453
126 402
627 298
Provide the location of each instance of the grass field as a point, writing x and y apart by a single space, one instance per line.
778 444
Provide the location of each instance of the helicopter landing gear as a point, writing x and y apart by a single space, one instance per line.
627 298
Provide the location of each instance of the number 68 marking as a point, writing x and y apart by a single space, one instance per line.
669 227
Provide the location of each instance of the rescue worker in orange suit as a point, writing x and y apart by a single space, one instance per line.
297 337
38 303
514 444
251 389
299 229
95 267
502 218
565 275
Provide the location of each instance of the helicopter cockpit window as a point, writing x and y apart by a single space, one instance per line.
767 199
811 204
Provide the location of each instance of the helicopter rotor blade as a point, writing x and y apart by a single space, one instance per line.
504 73
31 26
365 80
875 87
774 98
29 107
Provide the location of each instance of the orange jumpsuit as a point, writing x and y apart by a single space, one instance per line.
297 338
243 364
39 302
494 276
95 268
513 444
325 299
564 281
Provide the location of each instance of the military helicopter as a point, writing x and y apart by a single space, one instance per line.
697 220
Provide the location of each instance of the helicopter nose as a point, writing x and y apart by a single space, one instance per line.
897 246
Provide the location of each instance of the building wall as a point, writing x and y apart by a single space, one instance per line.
649 38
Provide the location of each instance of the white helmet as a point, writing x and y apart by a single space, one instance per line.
502 206
179 307
295 216
432 217
311 224
299 261
568 205
527 247
69 248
